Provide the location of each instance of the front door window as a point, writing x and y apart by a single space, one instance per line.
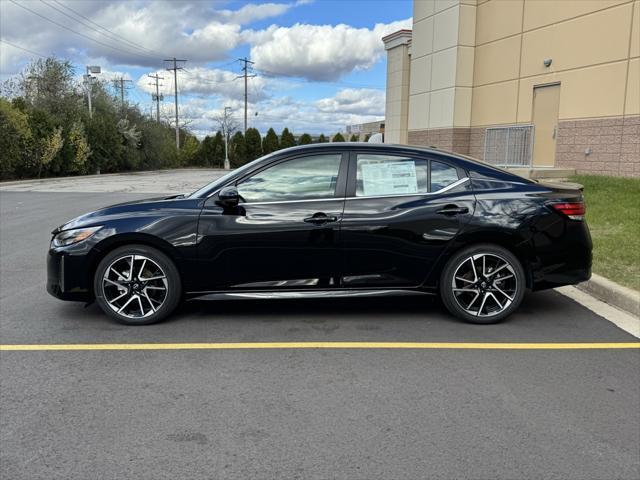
304 178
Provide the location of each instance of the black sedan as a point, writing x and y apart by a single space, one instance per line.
331 220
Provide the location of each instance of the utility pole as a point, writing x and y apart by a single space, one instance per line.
120 83
157 97
175 69
225 128
246 76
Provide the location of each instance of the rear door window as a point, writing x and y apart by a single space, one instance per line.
384 175
380 175
442 175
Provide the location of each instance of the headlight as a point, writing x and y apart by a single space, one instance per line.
69 237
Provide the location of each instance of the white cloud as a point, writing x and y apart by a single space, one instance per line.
320 52
360 101
210 83
253 12
328 116
142 33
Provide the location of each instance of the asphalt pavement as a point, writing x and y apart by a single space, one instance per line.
365 413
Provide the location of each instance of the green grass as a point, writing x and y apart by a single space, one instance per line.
613 216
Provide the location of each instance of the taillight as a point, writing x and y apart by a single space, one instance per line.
573 210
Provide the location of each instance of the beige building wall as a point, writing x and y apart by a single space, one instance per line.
475 64
442 56
397 98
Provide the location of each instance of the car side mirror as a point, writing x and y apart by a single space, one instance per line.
229 196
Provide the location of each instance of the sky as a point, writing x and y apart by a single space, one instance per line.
319 65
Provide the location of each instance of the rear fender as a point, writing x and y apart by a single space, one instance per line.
517 244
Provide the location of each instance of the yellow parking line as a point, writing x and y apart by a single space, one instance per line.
324 345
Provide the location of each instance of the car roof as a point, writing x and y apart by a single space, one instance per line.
365 145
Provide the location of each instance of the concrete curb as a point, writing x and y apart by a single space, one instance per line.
610 292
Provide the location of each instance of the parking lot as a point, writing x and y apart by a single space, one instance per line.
469 411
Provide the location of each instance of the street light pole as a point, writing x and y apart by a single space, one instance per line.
90 69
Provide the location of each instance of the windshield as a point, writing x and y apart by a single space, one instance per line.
225 178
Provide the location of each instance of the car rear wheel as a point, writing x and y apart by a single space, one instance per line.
483 284
137 285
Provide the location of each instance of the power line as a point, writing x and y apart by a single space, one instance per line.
207 80
109 32
228 63
78 33
22 48
128 48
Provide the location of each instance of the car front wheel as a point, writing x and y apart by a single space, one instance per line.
137 285
482 284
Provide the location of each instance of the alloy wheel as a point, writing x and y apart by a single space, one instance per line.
135 286
484 284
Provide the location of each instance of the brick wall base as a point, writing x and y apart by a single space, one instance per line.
601 146
450 139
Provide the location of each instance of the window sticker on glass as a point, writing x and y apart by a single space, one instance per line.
389 178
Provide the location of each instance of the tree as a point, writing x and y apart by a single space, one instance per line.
77 140
253 142
367 137
354 138
15 139
226 123
338 137
270 142
322 138
287 139
189 150
237 150
45 128
218 155
305 139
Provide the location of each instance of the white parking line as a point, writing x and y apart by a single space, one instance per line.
627 322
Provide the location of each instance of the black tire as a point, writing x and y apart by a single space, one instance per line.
170 297
511 293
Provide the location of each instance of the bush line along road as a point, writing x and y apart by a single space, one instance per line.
471 410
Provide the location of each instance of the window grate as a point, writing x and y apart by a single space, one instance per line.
509 146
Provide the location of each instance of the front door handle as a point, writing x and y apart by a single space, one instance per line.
452 210
321 218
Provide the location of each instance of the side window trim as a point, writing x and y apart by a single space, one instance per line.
338 194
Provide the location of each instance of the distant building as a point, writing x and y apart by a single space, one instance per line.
364 130
520 82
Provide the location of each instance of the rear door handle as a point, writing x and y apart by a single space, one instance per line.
321 218
452 210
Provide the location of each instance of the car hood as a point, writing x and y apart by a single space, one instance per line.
148 207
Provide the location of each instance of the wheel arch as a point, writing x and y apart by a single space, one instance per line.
516 245
109 244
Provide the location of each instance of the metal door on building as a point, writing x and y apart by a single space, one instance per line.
546 106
